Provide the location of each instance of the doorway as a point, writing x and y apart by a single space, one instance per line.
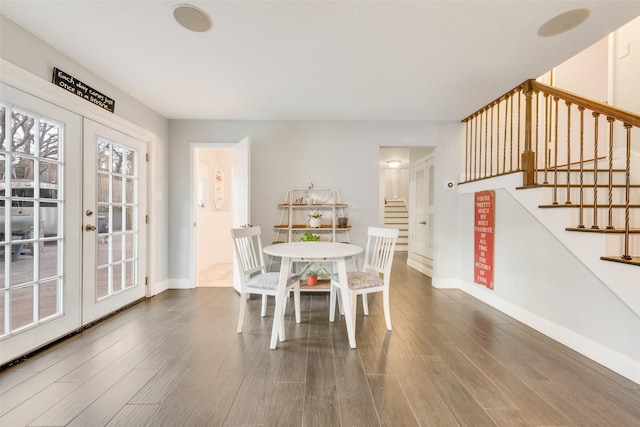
220 200
214 217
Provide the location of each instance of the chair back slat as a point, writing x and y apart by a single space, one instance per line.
248 248
381 245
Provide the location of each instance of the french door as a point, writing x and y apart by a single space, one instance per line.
114 207
40 200
72 229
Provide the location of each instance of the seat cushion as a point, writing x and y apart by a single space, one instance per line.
269 281
362 280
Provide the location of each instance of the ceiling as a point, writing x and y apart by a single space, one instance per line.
316 60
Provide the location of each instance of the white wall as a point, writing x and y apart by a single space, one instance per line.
284 154
626 84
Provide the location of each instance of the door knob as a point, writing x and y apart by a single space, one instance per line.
89 227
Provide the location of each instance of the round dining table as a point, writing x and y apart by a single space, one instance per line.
309 252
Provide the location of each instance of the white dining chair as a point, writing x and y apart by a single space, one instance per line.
374 277
254 277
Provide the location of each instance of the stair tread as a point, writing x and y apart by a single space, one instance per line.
603 230
635 260
576 205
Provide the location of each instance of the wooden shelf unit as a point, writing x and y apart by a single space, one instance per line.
294 219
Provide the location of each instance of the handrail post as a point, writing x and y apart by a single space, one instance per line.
528 156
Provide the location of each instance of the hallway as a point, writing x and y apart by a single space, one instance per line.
175 359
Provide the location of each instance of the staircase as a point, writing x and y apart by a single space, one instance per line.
396 215
581 149
597 206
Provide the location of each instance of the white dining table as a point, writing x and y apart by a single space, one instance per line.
334 252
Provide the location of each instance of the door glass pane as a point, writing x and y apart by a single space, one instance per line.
117 189
103 155
49 140
23 131
102 282
22 307
22 264
48 298
48 256
130 274
3 116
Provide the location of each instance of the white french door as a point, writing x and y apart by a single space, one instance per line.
114 229
40 200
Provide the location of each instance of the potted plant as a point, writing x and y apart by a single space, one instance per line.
310 237
315 219
312 275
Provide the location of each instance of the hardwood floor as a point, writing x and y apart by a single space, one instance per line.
176 360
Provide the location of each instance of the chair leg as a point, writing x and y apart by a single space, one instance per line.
332 302
387 312
353 300
365 304
296 303
263 311
243 305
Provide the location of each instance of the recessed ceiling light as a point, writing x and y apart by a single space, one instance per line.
393 163
192 18
563 22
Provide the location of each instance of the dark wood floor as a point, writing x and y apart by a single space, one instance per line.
176 360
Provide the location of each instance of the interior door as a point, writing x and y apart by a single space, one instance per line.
40 190
422 178
114 229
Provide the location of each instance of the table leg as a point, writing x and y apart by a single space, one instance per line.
346 304
278 313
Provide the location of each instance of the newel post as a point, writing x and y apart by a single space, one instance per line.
528 156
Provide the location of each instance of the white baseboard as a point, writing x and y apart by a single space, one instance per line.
619 363
179 284
615 361
440 283
156 288
424 269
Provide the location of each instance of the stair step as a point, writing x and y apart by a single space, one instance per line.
560 169
635 260
576 205
586 186
604 230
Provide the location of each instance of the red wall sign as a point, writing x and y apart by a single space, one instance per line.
484 228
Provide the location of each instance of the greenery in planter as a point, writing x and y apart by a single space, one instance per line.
318 272
315 215
310 237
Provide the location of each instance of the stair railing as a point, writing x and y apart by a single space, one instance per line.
549 133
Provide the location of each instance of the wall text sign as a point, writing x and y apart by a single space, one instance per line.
484 228
75 86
